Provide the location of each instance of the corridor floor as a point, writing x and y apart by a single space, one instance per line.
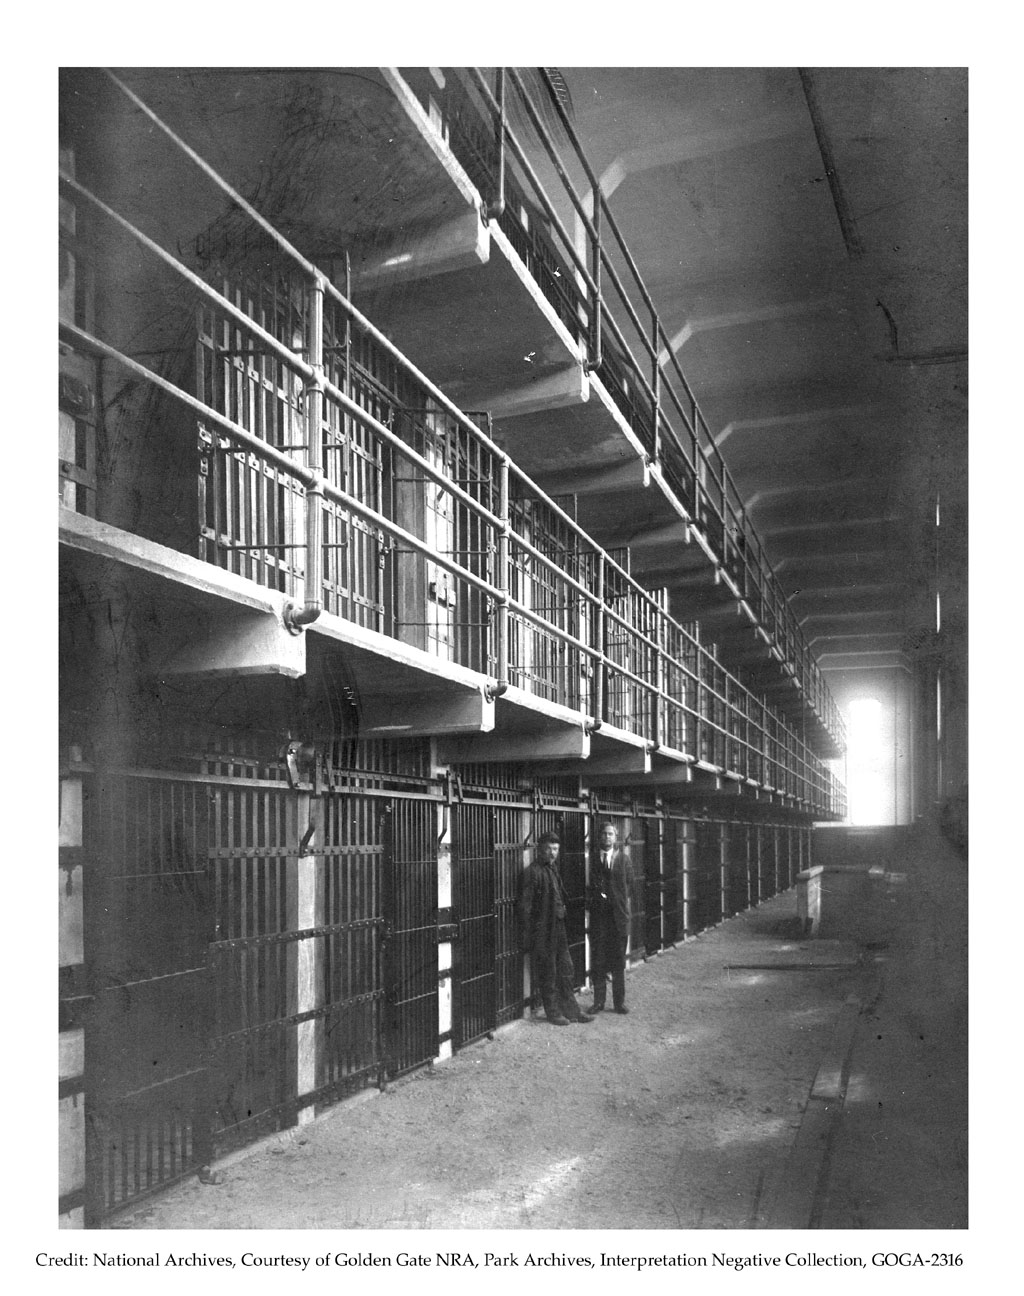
761 1080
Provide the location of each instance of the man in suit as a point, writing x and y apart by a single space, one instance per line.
610 880
541 908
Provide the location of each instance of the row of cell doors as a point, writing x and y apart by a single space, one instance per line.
225 999
690 874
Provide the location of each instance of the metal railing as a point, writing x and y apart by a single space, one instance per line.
635 358
328 467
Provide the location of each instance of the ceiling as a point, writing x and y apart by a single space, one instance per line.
803 233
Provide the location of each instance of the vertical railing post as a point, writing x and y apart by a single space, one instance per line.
347 422
599 641
502 576
723 491
723 869
597 305
313 413
314 453
659 677
656 384
742 545
496 207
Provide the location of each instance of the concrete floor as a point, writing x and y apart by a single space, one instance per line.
898 1158
761 1081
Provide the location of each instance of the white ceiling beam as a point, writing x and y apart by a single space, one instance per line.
736 319
793 420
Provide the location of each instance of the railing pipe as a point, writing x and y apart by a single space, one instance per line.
496 207
348 343
659 694
656 377
295 618
724 480
310 475
599 636
270 453
592 225
271 232
279 348
301 262
504 532
539 189
580 152
545 137
597 304
299 472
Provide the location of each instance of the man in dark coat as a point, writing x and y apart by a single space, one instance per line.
541 908
610 881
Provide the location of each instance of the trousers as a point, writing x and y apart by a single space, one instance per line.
553 975
607 955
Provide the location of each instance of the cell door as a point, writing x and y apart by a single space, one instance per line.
748 842
673 865
775 839
411 935
356 555
475 985
148 921
690 876
508 866
759 845
707 907
734 867
351 1052
355 552
250 511
253 843
795 854
654 882
633 834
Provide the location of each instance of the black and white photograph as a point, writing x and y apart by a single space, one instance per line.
513 672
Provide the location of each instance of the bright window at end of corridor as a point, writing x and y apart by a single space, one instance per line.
868 762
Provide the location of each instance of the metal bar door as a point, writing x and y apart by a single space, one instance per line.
689 875
633 835
252 846
508 865
734 855
707 910
351 1053
473 902
654 882
776 858
672 838
147 925
410 952
759 846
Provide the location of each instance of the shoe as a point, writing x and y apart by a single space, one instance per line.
621 1008
596 1008
584 1017
558 1020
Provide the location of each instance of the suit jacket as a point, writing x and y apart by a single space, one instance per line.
540 892
615 884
